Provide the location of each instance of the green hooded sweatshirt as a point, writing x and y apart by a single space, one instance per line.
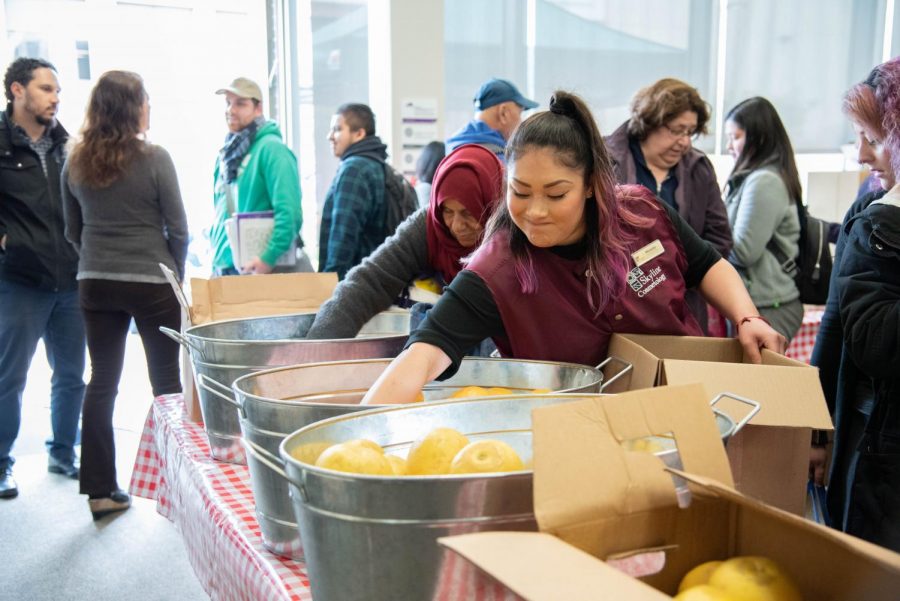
267 181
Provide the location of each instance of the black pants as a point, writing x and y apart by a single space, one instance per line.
108 307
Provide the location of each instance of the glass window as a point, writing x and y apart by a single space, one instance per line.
209 41
331 50
83 54
607 50
481 40
802 55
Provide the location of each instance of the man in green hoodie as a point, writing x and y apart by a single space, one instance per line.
255 171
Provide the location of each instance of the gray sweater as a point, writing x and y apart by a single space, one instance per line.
123 231
760 210
372 286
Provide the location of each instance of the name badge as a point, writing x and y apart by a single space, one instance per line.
648 253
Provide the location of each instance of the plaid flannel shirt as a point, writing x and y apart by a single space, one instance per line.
353 218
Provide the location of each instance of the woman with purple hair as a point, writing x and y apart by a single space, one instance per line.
858 346
568 260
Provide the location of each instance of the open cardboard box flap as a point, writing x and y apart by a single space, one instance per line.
234 297
770 458
826 564
540 567
680 359
788 396
592 492
597 501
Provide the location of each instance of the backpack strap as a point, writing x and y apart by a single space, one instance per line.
788 264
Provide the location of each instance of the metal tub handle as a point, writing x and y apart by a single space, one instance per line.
627 368
273 463
739 425
207 384
179 338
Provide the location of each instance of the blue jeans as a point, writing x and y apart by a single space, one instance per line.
27 315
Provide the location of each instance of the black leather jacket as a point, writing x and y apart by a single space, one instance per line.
31 216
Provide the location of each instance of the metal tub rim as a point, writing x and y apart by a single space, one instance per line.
725 434
286 456
190 332
350 362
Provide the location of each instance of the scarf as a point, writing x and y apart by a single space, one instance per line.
237 144
473 176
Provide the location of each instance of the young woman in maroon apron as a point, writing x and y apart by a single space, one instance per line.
569 259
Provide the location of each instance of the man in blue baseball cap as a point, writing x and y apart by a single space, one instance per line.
498 110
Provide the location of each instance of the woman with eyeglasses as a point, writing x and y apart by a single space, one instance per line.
569 259
763 203
653 148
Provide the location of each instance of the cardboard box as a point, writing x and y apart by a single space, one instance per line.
770 457
597 502
235 297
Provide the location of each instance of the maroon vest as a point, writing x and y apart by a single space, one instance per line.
556 323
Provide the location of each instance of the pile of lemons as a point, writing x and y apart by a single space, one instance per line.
744 578
441 451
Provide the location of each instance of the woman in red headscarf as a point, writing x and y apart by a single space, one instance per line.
431 243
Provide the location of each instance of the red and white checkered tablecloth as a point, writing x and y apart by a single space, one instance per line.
802 344
212 505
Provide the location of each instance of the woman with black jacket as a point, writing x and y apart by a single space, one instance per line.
858 347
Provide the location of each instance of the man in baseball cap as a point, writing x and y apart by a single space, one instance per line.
498 110
255 172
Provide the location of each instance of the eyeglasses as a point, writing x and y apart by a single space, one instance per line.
682 132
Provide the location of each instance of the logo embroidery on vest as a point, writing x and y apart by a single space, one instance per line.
644 283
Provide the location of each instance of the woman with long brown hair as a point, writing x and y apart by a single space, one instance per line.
124 215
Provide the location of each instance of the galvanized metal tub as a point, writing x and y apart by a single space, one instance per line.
219 356
220 416
276 402
373 537
280 340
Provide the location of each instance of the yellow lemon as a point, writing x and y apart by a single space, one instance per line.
309 452
699 575
754 578
433 453
467 391
355 458
486 456
365 442
497 390
541 391
398 464
420 398
703 592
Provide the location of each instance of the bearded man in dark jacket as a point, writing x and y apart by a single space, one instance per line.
38 291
